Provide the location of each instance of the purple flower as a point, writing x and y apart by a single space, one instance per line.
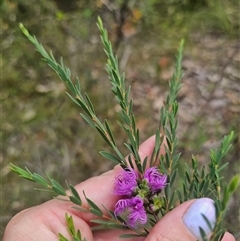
135 209
156 180
126 182
121 206
138 213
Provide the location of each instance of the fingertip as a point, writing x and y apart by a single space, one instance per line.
170 227
228 237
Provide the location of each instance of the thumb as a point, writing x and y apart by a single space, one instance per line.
183 222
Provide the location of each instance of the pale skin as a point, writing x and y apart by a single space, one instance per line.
46 221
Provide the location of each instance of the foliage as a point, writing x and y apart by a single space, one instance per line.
40 128
76 235
199 185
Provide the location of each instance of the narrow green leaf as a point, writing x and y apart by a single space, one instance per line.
59 191
110 132
139 166
75 200
111 213
109 224
234 182
169 143
76 101
75 194
144 163
89 103
203 234
88 120
95 212
103 134
62 238
222 167
130 235
40 180
167 192
115 77
171 200
179 196
173 176
93 205
176 158
187 176
78 85
21 172
205 187
207 222
57 187
84 106
110 157
130 161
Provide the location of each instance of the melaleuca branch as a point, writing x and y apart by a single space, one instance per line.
78 98
122 95
146 188
168 128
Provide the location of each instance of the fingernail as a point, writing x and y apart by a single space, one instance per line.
193 218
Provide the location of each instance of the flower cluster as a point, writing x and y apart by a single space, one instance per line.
140 194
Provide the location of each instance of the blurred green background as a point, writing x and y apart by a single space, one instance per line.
41 127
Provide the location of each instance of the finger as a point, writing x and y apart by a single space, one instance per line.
228 237
184 222
42 223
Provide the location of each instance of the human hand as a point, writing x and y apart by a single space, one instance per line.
46 221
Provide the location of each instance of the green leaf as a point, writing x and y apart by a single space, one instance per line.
110 157
57 187
78 86
96 212
89 103
179 196
99 221
234 182
130 161
84 106
130 235
187 176
76 101
171 200
62 238
157 140
39 179
22 173
173 176
110 213
110 132
88 120
208 222
58 191
103 134
203 234
115 77
93 206
76 235
109 224
144 163
222 167
176 158
75 198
